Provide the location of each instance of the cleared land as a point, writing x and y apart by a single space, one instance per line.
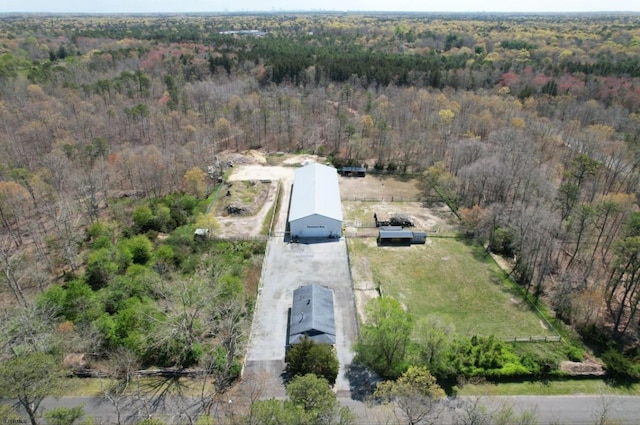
445 278
450 280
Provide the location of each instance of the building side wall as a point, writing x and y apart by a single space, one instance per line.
315 226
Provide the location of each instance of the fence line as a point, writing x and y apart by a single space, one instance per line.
391 199
552 338
276 209
241 238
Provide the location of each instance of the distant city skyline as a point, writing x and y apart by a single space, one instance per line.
202 6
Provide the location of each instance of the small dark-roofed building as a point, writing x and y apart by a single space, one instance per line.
312 315
353 171
395 237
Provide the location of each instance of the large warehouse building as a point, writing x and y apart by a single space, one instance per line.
315 211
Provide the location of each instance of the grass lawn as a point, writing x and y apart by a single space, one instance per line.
568 387
452 281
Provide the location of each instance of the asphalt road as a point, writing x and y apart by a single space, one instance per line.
566 410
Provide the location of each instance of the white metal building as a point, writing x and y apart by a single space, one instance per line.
315 209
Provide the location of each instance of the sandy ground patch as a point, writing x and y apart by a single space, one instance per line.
378 187
359 221
251 165
299 160
245 226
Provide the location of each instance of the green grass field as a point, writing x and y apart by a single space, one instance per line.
548 388
454 282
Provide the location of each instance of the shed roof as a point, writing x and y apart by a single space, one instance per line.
312 315
315 191
396 234
353 170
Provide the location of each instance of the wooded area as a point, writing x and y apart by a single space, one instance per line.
527 126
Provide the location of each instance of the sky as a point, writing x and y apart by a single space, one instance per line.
180 6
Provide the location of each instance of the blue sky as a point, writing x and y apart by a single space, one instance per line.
168 6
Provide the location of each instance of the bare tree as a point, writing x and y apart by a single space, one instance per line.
120 370
12 266
604 409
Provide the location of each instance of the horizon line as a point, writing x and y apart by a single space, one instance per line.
321 11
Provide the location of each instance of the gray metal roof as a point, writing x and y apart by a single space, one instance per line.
404 234
315 191
312 315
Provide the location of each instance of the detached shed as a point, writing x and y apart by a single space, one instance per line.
353 171
312 315
397 236
394 237
316 209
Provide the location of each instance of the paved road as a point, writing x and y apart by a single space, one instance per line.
566 410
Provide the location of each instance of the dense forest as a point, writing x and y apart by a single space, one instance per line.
528 126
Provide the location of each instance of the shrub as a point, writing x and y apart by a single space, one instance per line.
64 415
309 357
100 268
503 241
81 304
230 287
143 219
620 367
163 219
97 230
102 242
54 297
141 248
575 354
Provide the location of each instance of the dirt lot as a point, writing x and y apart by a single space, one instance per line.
249 222
252 166
378 187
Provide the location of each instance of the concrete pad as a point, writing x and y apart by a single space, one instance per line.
287 267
